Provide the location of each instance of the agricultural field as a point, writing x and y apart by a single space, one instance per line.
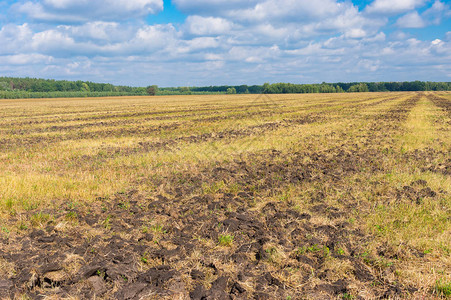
315 196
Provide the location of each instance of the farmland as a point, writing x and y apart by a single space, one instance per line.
312 196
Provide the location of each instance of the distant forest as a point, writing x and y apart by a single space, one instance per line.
15 88
340 87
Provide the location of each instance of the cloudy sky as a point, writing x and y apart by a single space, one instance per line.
210 42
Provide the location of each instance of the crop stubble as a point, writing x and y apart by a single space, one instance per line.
310 191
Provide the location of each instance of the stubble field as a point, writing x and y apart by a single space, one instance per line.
314 196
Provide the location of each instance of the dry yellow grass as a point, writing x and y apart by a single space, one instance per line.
362 181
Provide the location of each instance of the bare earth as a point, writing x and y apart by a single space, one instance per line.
317 196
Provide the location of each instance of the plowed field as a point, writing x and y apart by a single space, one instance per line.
318 196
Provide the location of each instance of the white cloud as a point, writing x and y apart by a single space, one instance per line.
319 49
356 33
196 44
153 38
213 7
214 57
198 25
248 41
278 19
411 20
370 65
432 15
283 21
350 22
436 42
288 10
440 48
25 59
98 30
378 38
253 54
66 41
64 11
393 6
52 40
14 38
437 12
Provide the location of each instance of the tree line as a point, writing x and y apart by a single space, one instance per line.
290 88
50 85
11 87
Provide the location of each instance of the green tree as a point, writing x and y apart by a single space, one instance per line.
85 87
241 89
231 90
152 90
4 86
358 88
185 90
339 89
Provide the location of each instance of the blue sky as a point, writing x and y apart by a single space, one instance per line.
215 42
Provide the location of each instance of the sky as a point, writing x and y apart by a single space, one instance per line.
226 42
